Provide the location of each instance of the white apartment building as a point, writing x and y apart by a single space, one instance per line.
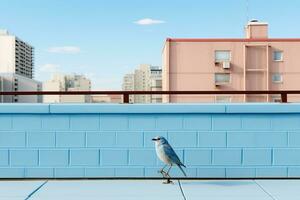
14 82
60 82
16 69
16 56
145 78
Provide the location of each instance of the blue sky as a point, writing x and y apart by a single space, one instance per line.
103 39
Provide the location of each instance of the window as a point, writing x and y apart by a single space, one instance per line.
222 78
277 56
277 78
222 56
223 99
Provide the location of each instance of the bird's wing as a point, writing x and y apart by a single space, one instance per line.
169 151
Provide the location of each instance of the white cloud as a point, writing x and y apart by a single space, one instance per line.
148 21
51 68
65 49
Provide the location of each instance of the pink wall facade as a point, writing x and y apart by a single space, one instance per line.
189 64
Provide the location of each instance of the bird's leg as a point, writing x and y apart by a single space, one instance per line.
169 171
168 176
162 170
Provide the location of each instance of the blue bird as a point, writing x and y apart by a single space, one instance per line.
167 154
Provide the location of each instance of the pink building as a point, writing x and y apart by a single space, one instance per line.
255 62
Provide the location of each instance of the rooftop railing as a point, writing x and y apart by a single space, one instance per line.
283 93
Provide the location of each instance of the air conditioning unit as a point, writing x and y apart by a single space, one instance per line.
226 65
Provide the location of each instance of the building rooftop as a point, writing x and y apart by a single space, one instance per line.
233 40
149 189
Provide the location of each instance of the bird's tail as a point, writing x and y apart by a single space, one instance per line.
182 169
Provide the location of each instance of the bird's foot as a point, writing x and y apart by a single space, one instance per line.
168 181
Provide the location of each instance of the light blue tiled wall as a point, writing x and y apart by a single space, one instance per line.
212 140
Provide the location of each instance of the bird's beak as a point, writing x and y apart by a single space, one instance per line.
153 139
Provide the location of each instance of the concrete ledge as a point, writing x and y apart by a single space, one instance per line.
263 108
137 108
29 108
16 108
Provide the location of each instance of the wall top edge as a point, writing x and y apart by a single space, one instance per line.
18 108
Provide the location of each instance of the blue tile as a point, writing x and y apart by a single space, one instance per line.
23 157
227 157
41 139
99 172
212 139
27 122
240 172
70 139
256 139
257 157
101 139
148 135
130 139
197 122
256 122
294 139
227 122
129 172
176 172
183 139
69 172
85 122
113 122
54 157
12 139
197 157
211 173
286 156
294 172
56 122
84 157
113 157
12 172
286 122
3 157
142 157
274 172
39 172
141 122
5 122
169 122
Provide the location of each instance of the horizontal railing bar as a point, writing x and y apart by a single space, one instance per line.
149 92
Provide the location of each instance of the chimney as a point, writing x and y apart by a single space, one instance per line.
256 29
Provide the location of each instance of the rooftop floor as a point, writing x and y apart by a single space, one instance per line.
149 189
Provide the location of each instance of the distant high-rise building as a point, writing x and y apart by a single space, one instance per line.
16 56
145 78
16 69
60 82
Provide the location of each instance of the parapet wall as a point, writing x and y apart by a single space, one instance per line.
108 140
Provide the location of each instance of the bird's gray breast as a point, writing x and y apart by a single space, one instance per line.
160 151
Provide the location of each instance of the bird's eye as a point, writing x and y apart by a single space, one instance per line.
158 138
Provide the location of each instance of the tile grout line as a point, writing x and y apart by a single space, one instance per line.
265 191
37 189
